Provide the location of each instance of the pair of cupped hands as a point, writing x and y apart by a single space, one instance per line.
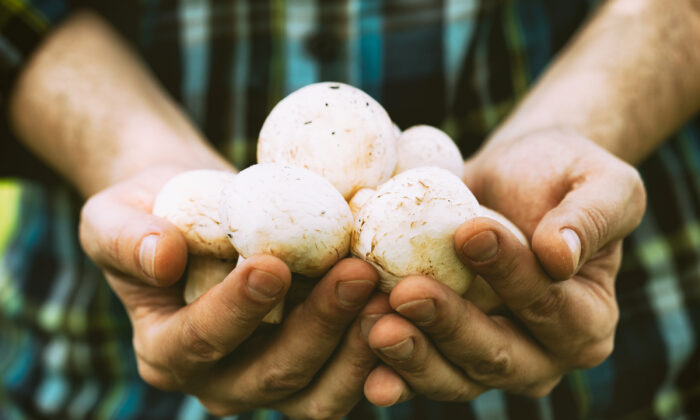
572 199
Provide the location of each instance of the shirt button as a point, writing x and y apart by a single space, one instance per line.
323 46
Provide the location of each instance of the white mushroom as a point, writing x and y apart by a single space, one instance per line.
335 130
407 227
493 214
360 199
423 145
288 212
203 273
190 201
397 130
480 290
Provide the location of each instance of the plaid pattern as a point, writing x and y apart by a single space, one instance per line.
22 25
65 348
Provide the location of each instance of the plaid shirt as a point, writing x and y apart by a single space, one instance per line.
65 341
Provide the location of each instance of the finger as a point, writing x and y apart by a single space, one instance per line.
508 266
593 214
305 341
338 387
567 317
130 240
384 387
488 349
406 350
182 346
482 295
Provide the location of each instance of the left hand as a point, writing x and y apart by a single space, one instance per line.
313 365
575 202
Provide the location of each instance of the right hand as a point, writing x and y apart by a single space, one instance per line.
560 294
313 365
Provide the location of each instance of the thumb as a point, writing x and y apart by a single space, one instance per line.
596 212
130 240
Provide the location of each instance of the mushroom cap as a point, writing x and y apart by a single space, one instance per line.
493 214
190 201
397 130
289 212
335 130
407 227
360 199
423 145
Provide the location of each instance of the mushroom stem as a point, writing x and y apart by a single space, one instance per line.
203 273
275 315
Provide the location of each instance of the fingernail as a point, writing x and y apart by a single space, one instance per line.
481 247
147 255
399 351
367 322
264 285
421 311
354 292
574 243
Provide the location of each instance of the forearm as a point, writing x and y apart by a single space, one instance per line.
88 107
626 81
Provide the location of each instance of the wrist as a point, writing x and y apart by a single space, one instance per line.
148 146
88 107
174 157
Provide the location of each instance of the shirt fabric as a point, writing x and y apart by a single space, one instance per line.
462 65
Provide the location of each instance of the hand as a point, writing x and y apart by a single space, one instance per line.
575 202
311 366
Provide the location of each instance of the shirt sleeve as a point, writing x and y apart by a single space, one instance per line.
23 24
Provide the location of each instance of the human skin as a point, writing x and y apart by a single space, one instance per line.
560 167
87 107
91 178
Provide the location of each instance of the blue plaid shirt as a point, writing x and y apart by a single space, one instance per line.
65 340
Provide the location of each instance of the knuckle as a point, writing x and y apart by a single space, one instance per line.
546 307
639 195
90 235
411 366
84 224
156 378
597 328
594 339
504 268
195 346
280 380
631 177
635 178
596 223
592 356
325 323
493 368
361 362
240 312
445 328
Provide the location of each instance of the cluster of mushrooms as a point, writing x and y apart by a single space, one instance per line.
335 175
